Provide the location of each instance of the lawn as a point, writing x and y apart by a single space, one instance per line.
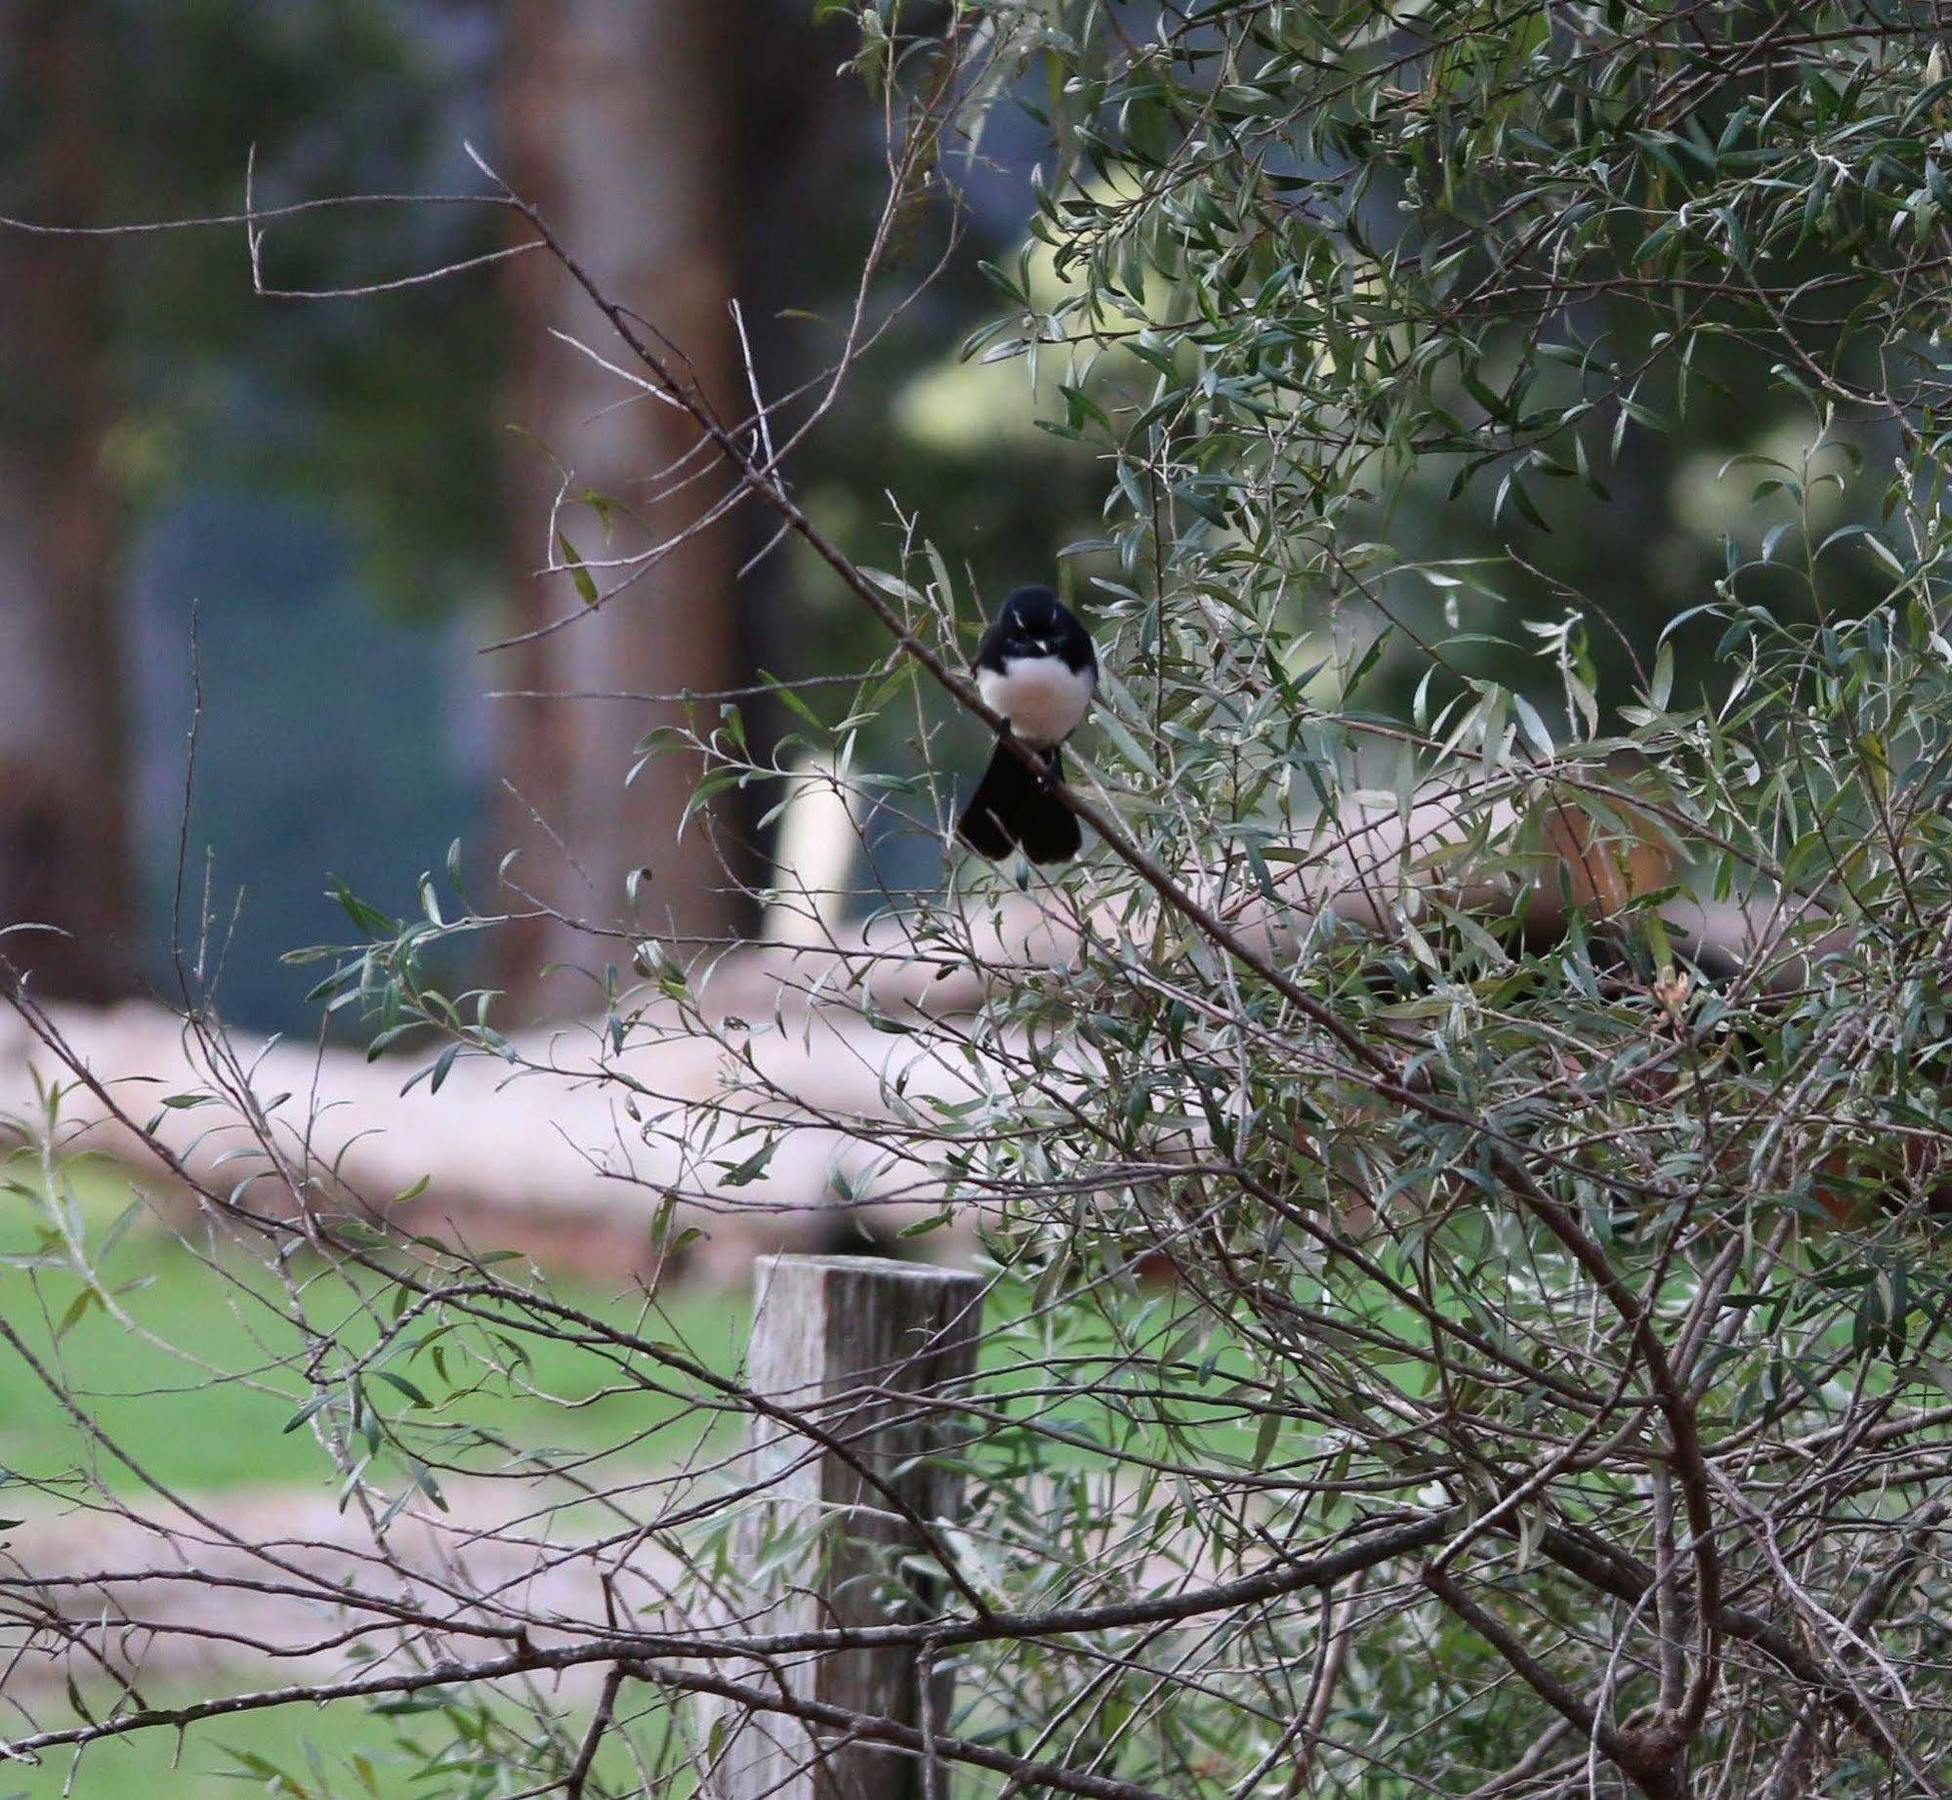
201 1383
200 1379
304 1753
205 1765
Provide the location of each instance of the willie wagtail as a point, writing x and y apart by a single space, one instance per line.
1037 668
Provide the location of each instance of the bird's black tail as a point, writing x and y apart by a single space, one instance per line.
1012 807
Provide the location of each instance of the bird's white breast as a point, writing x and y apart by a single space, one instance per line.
1043 700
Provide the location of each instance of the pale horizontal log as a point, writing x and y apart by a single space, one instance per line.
556 1152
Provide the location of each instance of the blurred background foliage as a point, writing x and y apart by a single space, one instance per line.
327 482
322 481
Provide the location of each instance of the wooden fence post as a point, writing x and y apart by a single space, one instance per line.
856 1345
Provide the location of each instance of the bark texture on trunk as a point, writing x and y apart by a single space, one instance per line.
620 122
64 855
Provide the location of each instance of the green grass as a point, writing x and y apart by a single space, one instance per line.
153 1765
145 1383
226 1307
150 1387
306 1753
151 1390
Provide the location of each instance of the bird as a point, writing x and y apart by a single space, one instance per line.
1036 666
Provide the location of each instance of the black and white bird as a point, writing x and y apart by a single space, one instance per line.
1037 668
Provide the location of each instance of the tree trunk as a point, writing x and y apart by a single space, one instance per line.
64 858
620 124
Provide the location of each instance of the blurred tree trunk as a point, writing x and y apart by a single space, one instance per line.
620 122
64 856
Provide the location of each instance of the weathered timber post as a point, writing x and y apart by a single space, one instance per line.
855 1346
